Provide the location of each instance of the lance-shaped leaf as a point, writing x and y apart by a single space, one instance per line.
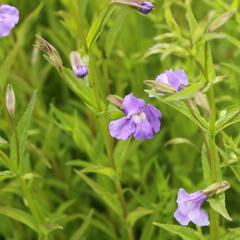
81 231
184 233
219 205
99 24
22 131
137 214
19 216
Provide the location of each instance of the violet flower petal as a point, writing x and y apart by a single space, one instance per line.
132 105
9 17
177 79
143 131
153 116
181 218
122 128
199 217
163 78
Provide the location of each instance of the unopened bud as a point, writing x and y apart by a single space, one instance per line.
116 100
53 56
10 100
79 69
143 7
201 100
160 87
216 188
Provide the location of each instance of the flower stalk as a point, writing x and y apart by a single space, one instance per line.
109 148
214 217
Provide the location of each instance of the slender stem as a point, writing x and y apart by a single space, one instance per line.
214 223
109 148
214 218
14 129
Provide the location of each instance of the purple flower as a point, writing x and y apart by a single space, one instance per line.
176 79
145 7
141 120
9 17
79 69
189 208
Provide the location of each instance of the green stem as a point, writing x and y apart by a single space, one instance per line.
214 217
109 148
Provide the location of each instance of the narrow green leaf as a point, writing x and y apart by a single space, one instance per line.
99 24
175 141
187 92
107 171
219 205
137 214
19 216
81 231
192 22
184 232
227 119
181 107
49 227
171 22
4 175
79 88
22 131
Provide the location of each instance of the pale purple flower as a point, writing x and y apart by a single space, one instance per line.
145 7
141 120
176 79
189 208
9 17
80 70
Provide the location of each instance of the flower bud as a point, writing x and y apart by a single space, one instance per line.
143 7
115 100
216 188
10 100
52 54
79 69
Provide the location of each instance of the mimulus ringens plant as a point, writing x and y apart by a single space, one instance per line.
79 69
141 121
189 208
9 17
